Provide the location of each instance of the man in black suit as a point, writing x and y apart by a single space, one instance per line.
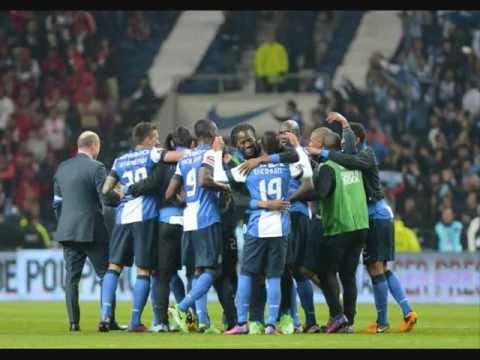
81 228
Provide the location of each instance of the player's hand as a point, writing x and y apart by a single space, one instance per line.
227 158
218 144
249 164
119 191
313 151
337 117
181 196
292 139
278 205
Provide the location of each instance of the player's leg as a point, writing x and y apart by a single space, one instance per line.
177 287
207 250
97 253
145 239
254 251
258 301
74 258
347 271
301 237
275 265
410 317
373 257
334 249
120 254
169 237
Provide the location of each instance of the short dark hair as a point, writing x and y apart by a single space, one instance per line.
240 128
203 129
332 141
141 131
359 130
180 137
270 142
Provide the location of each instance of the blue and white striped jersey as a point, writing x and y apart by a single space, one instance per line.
130 168
268 182
202 204
304 163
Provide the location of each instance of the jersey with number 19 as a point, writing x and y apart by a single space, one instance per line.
202 208
268 182
128 169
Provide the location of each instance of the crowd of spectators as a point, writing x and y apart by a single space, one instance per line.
421 109
422 113
58 77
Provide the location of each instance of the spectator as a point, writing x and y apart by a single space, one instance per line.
54 129
142 104
35 235
473 233
7 108
405 238
449 232
292 113
138 28
471 100
37 144
28 71
271 65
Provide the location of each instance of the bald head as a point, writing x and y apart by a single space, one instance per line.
290 126
89 143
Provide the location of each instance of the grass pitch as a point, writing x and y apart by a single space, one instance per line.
44 325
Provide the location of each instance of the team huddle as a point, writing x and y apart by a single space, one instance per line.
308 213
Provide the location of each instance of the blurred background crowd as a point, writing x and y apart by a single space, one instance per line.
65 71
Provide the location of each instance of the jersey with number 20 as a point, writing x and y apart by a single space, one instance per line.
131 168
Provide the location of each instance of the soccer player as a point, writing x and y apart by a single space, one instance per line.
248 155
134 233
380 246
344 213
202 232
298 254
170 229
265 247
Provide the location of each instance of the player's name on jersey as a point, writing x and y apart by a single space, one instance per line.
191 158
268 169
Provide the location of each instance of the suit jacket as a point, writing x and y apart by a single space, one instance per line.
78 200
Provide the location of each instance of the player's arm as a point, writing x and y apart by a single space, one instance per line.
206 173
275 205
323 187
347 133
175 184
150 185
109 183
57 199
288 155
360 161
173 156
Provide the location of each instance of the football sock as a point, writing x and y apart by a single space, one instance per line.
293 307
380 294
109 287
154 299
257 301
273 300
202 310
199 288
397 292
177 287
305 293
244 292
140 296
